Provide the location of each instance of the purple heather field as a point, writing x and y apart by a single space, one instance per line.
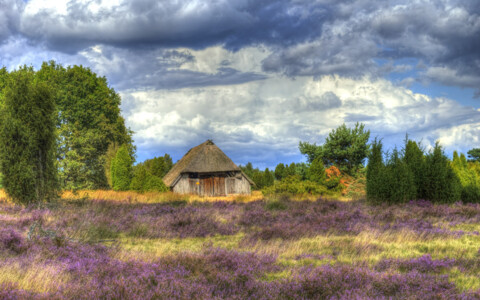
267 249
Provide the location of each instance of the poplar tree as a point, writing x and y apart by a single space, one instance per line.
27 132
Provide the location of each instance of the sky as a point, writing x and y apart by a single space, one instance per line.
258 76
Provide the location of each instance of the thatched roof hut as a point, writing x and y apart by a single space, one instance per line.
205 170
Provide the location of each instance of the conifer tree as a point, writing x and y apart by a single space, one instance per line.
441 182
399 180
414 158
375 172
27 132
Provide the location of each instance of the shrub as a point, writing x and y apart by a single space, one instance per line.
294 186
468 176
12 241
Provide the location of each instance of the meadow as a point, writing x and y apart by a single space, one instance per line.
110 245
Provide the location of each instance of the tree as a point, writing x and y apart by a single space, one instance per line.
474 154
27 132
375 173
268 178
316 172
441 182
414 158
280 171
398 180
122 170
88 122
344 147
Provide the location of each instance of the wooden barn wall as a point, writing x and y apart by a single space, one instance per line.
214 186
242 186
182 186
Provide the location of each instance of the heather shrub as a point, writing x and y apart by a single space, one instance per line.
12 241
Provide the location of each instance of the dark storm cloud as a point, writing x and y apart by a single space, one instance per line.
306 38
9 16
193 24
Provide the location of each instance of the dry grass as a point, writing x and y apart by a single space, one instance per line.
154 197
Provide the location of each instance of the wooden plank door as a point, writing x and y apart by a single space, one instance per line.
219 186
207 186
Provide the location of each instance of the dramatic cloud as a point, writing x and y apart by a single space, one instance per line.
259 121
259 76
195 24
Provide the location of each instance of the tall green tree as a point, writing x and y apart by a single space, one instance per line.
27 132
398 180
414 158
344 147
122 169
441 182
88 122
375 173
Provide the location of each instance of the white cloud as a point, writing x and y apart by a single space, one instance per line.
267 119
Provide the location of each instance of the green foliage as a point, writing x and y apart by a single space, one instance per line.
154 183
260 178
441 182
294 185
27 132
414 157
279 171
413 176
344 147
147 176
316 172
122 170
398 180
375 170
159 166
88 123
469 177
474 154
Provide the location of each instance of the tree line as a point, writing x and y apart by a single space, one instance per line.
413 173
61 128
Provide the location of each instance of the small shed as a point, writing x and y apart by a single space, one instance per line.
206 171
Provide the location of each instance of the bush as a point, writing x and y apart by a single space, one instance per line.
468 176
293 185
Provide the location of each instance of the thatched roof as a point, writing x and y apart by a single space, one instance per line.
204 158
